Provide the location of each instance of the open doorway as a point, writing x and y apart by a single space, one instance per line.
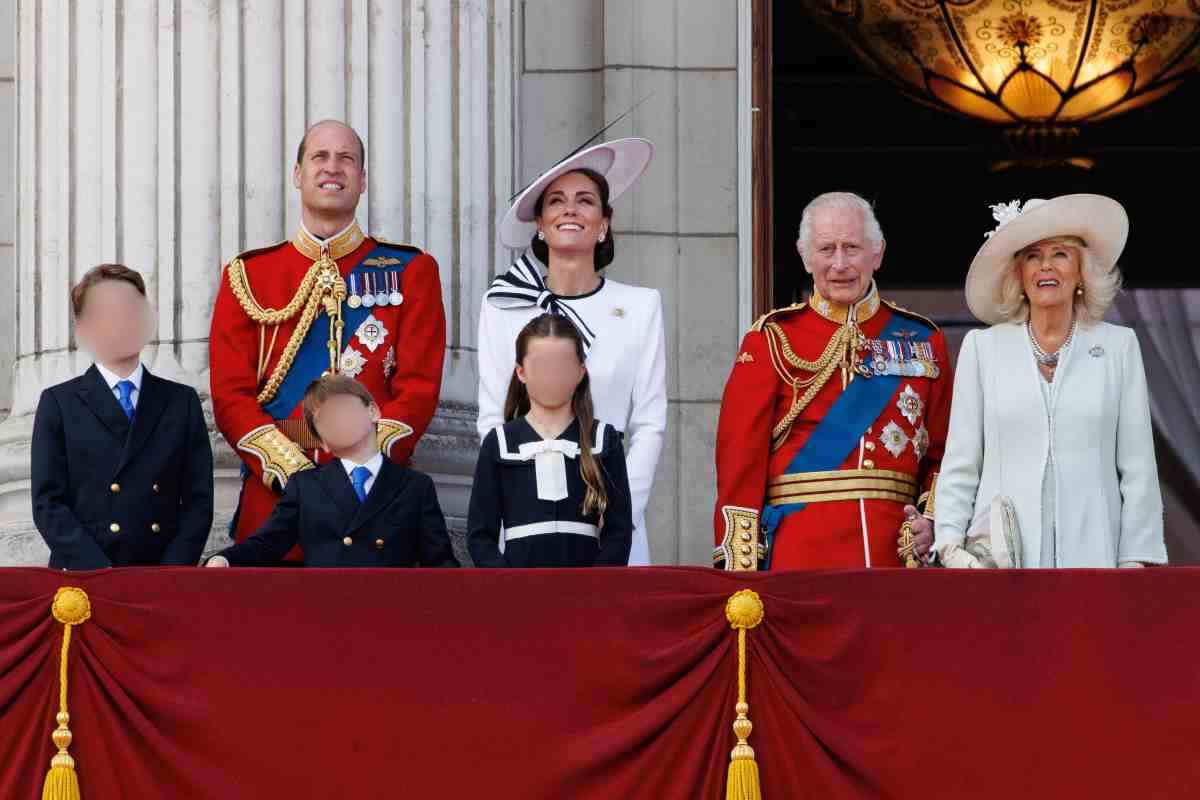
825 122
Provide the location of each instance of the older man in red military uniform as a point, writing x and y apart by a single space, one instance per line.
329 300
834 417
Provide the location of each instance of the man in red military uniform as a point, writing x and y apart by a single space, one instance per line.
834 417
329 300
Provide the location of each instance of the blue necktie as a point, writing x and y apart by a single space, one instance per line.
126 389
359 477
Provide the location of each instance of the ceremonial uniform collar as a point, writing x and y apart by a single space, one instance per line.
859 313
340 244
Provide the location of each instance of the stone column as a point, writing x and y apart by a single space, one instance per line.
162 135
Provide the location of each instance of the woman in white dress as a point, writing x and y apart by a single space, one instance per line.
564 218
1050 456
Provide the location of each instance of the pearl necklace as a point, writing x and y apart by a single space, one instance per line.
1048 359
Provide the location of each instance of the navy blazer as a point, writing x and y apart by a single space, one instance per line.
400 524
108 493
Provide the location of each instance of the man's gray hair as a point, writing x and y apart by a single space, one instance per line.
842 200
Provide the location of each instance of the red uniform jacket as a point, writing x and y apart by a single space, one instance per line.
395 350
824 478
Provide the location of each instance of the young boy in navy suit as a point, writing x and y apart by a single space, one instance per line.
122 469
357 510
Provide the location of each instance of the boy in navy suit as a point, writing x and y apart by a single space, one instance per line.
122 469
357 510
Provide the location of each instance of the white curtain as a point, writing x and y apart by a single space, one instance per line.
1167 322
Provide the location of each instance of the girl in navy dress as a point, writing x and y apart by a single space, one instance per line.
551 480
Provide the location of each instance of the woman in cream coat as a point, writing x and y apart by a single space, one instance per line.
1050 455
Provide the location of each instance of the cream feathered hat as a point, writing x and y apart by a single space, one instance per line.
1099 221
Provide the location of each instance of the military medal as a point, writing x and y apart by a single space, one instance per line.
920 442
381 294
354 301
368 298
389 362
395 296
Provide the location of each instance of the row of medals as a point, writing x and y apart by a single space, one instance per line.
386 293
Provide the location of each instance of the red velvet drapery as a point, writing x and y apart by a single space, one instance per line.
226 684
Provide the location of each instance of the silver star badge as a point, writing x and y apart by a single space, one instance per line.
352 362
910 404
371 333
894 439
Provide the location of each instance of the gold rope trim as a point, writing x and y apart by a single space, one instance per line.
71 607
240 285
744 610
823 368
322 285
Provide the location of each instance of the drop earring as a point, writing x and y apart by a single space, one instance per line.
541 236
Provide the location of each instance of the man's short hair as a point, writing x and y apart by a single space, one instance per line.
99 274
328 386
362 150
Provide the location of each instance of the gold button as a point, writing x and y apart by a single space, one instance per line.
155 488
379 543
347 541
746 536
115 528
116 487
870 447
155 527
868 464
745 562
745 524
745 549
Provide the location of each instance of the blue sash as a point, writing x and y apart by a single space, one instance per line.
312 359
839 431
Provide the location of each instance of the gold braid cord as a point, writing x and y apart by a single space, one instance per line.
71 607
836 353
322 287
744 610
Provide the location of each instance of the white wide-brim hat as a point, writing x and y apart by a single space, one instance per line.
621 162
1099 221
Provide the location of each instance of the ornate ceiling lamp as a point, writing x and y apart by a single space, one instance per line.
1039 67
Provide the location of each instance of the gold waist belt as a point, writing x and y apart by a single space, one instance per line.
842 484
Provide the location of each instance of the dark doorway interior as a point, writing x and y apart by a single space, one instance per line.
838 126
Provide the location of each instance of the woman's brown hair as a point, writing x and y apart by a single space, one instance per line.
605 251
553 326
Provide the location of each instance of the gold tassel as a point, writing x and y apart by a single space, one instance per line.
744 610
71 607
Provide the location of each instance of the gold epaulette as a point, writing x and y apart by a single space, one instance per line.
761 321
911 314
258 251
412 248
